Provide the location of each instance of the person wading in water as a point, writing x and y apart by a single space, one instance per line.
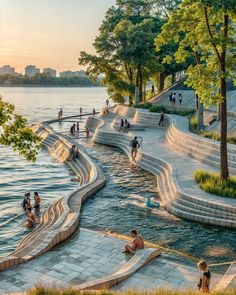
134 148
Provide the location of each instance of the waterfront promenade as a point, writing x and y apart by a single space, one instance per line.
93 260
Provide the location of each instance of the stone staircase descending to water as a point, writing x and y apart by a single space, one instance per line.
60 219
178 190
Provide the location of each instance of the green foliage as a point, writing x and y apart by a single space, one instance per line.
188 29
193 123
16 133
45 80
159 109
125 50
212 183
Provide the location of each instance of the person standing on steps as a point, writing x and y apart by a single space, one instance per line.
134 148
170 97
205 279
180 98
174 98
161 121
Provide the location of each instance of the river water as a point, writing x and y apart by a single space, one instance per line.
118 206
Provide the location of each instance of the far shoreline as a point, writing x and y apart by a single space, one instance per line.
52 86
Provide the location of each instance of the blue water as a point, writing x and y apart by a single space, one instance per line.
52 180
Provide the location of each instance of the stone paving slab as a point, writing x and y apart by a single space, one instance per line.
91 255
164 273
87 256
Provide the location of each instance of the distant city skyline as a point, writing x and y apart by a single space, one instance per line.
48 34
31 70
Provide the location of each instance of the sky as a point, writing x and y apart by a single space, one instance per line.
48 33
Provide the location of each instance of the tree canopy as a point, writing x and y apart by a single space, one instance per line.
16 133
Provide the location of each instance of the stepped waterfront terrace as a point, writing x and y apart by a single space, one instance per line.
118 147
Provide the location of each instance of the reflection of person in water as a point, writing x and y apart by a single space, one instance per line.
150 204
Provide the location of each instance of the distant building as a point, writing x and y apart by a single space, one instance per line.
67 74
7 70
31 71
50 71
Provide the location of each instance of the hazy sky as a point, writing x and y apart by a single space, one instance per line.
48 33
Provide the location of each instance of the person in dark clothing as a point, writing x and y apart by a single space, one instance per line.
72 130
174 98
161 121
134 148
73 153
170 97
180 98
121 124
204 282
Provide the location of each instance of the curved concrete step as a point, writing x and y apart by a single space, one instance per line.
140 259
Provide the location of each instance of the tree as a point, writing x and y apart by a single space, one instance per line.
209 30
16 133
125 51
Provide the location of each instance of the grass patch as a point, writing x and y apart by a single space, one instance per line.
60 291
159 109
207 134
212 183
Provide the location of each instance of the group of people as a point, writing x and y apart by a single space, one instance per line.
137 243
124 125
26 204
75 130
173 98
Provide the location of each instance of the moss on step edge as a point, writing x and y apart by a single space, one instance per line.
212 183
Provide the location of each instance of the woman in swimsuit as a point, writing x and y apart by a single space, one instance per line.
37 201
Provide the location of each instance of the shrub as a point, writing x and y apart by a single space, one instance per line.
166 110
193 122
212 183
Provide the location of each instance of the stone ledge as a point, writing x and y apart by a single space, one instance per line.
140 259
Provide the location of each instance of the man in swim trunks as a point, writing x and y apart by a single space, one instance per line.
136 244
134 148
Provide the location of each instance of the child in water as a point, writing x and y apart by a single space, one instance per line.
149 203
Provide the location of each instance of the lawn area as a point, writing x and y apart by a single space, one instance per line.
211 183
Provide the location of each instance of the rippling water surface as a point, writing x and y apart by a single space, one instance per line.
52 180
119 207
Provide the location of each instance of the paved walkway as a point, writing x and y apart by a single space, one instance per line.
90 255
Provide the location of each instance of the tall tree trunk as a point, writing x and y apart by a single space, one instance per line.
223 123
173 78
140 92
161 82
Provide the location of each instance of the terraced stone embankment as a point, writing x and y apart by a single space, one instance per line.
179 192
61 219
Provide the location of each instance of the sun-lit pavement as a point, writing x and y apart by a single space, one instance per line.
90 255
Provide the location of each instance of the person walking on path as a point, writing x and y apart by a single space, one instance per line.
180 98
170 98
174 98
204 282
161 121
107 102
87 132
94 112
134 148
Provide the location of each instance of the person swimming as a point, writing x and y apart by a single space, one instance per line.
37 201
150 204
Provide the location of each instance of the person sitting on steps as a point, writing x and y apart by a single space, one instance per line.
136 244
126 126
73 153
